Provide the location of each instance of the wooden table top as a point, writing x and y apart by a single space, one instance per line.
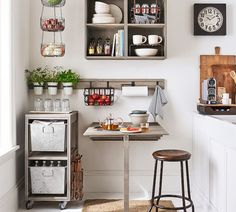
155 133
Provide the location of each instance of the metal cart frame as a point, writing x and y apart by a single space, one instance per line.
71 143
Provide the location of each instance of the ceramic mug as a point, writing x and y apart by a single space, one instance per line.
154 39
139 39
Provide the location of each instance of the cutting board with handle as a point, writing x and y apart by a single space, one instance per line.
219 66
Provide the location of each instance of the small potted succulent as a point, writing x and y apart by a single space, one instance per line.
68 78
36 78
51 78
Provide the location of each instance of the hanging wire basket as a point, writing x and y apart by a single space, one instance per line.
53 3
52 24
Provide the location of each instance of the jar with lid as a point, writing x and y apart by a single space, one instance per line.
91 49
107 46
145 9
137 9
154 9
99 46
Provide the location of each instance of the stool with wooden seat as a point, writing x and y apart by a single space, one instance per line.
172 156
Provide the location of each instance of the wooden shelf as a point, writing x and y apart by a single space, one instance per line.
48 156
146 25
105 25
94 31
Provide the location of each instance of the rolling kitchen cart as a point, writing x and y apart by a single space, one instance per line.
52 162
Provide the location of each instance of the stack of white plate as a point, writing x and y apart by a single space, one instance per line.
102 15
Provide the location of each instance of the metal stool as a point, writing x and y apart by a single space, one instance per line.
171 156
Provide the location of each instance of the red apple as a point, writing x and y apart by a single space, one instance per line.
95 96
107 101
104 97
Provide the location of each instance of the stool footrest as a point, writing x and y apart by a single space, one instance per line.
173 196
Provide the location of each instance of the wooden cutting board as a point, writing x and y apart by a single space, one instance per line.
219 67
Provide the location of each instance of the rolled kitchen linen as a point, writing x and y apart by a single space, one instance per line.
135 91
158 101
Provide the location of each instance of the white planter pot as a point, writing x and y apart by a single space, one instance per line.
67 88
52 88
38 89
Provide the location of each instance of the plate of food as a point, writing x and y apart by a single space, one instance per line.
131 130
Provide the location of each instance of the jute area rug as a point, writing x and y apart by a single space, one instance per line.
106 205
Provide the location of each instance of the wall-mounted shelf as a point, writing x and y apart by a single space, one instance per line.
108 30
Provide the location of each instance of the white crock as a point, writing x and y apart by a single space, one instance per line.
38 89
52 88
67 88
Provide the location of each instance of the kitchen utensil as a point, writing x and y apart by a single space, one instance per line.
138 112
154 39
111 123
38 104
102 9
116 13
65 105
233 75
99 3
130 130
146 52
137 119
48 105
103 20
144 127
101 15
139 39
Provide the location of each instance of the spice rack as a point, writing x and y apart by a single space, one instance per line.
54 25
159 27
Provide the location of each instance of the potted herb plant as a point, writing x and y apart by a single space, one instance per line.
36 78
51 78
68 78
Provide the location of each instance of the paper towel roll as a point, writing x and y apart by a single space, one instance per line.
135 90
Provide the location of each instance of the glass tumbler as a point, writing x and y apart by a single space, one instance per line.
57 105
38 104
48 105
65 105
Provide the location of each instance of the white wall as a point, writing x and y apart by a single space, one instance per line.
12 169
103 161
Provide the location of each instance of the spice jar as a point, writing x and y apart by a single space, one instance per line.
154 9
91 50
145 9
99 46
107 47
137 9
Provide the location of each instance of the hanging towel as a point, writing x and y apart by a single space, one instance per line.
158 101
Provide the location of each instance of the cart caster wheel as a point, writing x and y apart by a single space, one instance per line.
62 205
29 205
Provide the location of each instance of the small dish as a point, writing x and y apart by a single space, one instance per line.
146 52
103 20
116 13
102 10
131 130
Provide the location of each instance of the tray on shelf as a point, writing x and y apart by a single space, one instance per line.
216 109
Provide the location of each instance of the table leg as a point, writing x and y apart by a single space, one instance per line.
126 173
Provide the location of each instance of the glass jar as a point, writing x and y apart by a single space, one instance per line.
91 49
107 47
99 46
48 105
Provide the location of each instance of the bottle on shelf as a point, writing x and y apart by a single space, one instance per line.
91 50
99 48
107 46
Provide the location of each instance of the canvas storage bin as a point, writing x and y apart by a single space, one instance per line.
48 180
48 136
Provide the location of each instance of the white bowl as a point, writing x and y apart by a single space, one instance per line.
104 10
146 52
101 15
99 3
137 119
104 20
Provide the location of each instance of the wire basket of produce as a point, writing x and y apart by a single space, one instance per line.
99 96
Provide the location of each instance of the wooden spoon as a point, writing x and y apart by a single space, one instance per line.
233 75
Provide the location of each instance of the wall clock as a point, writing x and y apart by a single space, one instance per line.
209 19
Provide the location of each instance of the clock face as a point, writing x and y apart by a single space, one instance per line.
210 19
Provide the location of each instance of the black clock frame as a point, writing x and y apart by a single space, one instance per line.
198 30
